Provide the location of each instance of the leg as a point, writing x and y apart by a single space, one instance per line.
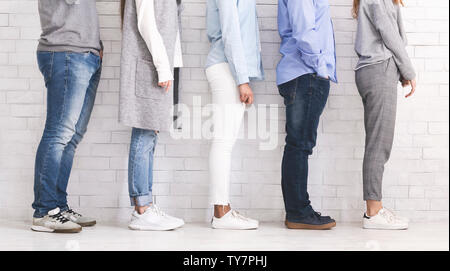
227 119
378 88
67 78
147 216
305 99
140 167
80 130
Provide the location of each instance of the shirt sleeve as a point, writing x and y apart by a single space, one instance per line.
150 33
302 18
231 36
391 38
178 60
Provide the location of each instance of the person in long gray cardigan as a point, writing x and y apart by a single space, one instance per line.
150 50
383 62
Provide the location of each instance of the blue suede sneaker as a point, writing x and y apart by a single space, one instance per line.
315 221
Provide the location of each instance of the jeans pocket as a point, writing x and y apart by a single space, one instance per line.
320 85
288 91
321 78
147 81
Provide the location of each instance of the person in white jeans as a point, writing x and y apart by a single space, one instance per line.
233 61
227 118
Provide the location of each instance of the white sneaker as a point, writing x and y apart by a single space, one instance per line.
55 222
234 221
77 218
154 220
385 220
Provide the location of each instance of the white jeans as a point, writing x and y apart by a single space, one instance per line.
227 118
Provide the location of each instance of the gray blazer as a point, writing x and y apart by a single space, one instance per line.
143 104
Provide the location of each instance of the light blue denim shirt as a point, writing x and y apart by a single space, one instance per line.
308 44
234 35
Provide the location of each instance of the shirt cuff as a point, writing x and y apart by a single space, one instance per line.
164 76
242 79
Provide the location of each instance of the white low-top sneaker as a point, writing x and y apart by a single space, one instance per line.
77 218
55 222
154 220
385 220
234 221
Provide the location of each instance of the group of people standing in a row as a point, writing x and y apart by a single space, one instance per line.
70 56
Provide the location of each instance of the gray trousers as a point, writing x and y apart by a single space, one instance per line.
377 85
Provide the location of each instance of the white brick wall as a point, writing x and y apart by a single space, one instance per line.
416 180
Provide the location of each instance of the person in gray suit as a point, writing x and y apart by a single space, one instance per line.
383 62
150 51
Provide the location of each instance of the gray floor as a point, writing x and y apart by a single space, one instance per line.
271 236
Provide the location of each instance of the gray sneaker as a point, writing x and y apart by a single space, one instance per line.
78 218
55 222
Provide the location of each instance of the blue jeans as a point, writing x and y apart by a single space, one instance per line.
71 80
140 166
305 98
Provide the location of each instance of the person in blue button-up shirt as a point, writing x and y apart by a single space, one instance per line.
307 37
307 66
233 61
234 35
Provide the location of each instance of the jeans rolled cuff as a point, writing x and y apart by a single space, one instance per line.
38 215
141 200
220 202
372 197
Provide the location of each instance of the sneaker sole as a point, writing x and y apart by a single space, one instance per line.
88 224
149 228
234 229
375 227
44 229
301 226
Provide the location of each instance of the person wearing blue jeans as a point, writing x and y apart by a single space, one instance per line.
151 48
69 58
303 78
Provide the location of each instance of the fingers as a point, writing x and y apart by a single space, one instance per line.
247 98
250 99
413 88
246 94
410 94
244 98
166 85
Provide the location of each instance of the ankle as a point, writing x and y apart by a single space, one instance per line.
373 207
141 209
221 210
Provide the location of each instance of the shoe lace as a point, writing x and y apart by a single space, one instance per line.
72 212
237 215
388 214
60 218
158 211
